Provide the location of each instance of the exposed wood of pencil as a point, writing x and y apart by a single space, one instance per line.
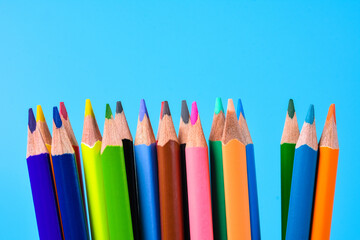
66 122
166 130
291 129
43 127
144 132
111 137
35 143
121 123
217 127
91 132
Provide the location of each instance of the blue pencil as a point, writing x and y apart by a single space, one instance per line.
251 174
67 182
147 177
303 181
42 185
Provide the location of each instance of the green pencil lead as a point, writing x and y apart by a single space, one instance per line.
108 113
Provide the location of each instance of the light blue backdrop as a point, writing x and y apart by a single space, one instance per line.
260 51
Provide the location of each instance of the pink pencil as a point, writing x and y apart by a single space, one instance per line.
198 180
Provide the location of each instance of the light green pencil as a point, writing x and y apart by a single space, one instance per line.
115 183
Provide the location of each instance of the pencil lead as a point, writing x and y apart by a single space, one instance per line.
32 121
194 113
63 111
240 109
108 113
218 106
56 117
291 109
39 114
88 109
119 108
184 112
331 113
230 105
143 110
165 109
310 115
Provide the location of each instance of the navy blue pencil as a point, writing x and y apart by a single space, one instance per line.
303 181
251 174
67 182
147 177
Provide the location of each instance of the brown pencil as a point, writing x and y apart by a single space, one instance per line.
169 170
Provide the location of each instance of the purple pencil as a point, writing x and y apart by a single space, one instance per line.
42 185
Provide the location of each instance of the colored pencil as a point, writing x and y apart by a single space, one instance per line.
67 182
46 136
43 127
127 141
90 148
303 181
217 174
42 185
251 173
66 122
115 182
197 169
147 177
235 178
169 170
287 150
183 132
326 178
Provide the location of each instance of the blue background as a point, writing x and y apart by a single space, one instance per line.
263 52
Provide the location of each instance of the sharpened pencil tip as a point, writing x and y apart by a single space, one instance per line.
119 108
31 121
143 110
56 117
310 115
88 109
165 109
63 111
291 108
218 106
240 109
185 115
194 113
39 114
230 105
108 113
331 113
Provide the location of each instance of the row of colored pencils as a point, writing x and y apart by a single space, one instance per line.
308 176
170 187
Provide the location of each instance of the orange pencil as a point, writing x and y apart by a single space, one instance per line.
326 178
235 178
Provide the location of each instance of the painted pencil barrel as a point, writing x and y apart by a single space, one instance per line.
116 193
217 190
131 181
78 168
147 179
184 192
95 191
199 197
44 197
69 193
302 192
253 196
236 190
287 160
170 195
325 190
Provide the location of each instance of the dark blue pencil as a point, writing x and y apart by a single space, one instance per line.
251 174
42 185
147 178
67 182
303 181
